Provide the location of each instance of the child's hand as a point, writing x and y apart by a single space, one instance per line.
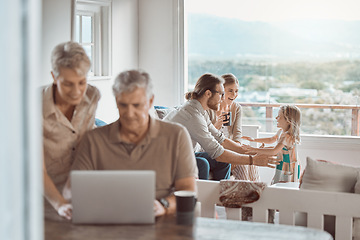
248 138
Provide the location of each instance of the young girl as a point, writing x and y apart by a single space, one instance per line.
288 120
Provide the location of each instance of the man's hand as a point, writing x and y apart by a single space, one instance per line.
65 210
159 209
249 150
265 160
248 138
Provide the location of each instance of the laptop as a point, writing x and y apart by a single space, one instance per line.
113 197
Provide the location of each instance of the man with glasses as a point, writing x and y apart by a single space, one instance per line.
217 151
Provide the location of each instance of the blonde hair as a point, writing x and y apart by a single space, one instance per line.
292 115
230 79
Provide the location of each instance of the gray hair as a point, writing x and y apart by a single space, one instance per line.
128 81
70 55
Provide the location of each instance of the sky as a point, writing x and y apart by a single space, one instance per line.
278 10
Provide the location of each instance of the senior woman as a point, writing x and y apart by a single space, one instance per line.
233 130
69 106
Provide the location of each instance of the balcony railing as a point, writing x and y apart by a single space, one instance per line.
355 116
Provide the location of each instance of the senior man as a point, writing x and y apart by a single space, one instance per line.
219 151
136 141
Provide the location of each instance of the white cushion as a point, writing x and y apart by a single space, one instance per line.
327 176
330 177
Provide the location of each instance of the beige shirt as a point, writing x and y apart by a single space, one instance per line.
60 136
166 149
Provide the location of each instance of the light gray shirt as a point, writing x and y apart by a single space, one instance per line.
202 132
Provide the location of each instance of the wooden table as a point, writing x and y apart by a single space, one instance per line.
165 227
57 228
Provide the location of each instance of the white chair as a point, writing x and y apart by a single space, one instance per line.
288 202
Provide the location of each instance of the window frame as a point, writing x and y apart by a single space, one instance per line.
100 10
92 43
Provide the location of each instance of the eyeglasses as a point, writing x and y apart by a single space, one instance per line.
222 94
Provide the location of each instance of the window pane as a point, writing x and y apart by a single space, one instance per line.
297 53
89 51
86 29
77 31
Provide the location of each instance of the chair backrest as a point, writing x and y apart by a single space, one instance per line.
208 195
288 202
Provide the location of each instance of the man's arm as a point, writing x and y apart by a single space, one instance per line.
185 184
229 156
233 146
267 151
186 171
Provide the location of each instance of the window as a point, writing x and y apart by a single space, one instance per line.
282 51
93 32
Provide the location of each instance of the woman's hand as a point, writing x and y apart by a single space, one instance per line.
219 121
65 210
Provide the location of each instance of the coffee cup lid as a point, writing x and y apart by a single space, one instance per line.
184 193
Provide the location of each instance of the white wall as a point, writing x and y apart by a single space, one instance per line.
332 148
158 48
56 28
124 54
125 39
145 36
